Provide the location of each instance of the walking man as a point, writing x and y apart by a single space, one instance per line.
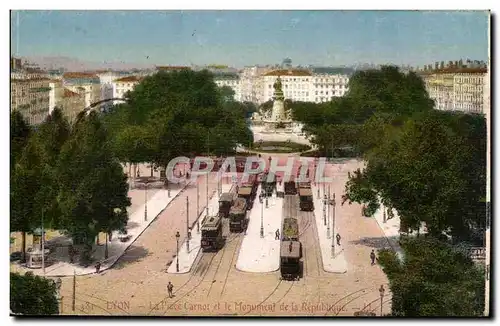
98 267
170 288
372 257
338 239
277 237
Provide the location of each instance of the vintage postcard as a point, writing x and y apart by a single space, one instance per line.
250 163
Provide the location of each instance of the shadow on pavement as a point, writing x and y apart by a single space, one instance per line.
375 242
132 254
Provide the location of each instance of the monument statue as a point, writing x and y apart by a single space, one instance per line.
278 111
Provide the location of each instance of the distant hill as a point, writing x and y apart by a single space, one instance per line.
72 64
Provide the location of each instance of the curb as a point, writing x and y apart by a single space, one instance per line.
126 248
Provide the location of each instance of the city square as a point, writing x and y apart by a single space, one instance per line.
275 190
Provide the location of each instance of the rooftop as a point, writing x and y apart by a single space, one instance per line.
455 70
239 206
332 70
129 79
211 222
71 75
290 249
68 93
172 68
288 72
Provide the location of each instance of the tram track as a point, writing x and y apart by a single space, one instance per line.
220 262
292 283
207 256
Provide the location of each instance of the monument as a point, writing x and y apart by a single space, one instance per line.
277 125
279 118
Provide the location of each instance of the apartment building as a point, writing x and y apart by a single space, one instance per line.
87 84
71 104
457 86
123 85
328 83
297 84
252 83
31 98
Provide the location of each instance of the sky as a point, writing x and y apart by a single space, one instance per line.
239 38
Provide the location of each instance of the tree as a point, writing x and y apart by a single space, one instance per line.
173 113
19 133
92 184
433 280
226 93
32 295
431 170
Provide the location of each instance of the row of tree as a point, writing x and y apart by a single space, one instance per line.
428 165
178 113
71 174
68 177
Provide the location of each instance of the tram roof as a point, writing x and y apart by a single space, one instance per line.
290 251
305 192
211 223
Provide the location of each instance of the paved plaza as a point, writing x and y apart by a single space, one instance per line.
136 285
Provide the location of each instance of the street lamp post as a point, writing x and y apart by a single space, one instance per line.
187 223
177 236
324 210
43 246
328 223
333 224
381 290
383 210
197 207
145 201
262 220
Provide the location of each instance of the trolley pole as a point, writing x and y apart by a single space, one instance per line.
74 290
328 223
197 207
145 201
261 220
188 234
207 195
333 224
43 246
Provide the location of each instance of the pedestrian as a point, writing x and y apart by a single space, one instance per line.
98 267
372 257
338 239
170 288
277 237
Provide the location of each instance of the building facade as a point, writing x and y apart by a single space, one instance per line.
71 104
329 83
87 84
297 84
123 85
31 98
457 86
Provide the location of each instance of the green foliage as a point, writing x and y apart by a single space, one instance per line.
430 170
19 133
92 184
226 93
433 280
178 114
32 295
